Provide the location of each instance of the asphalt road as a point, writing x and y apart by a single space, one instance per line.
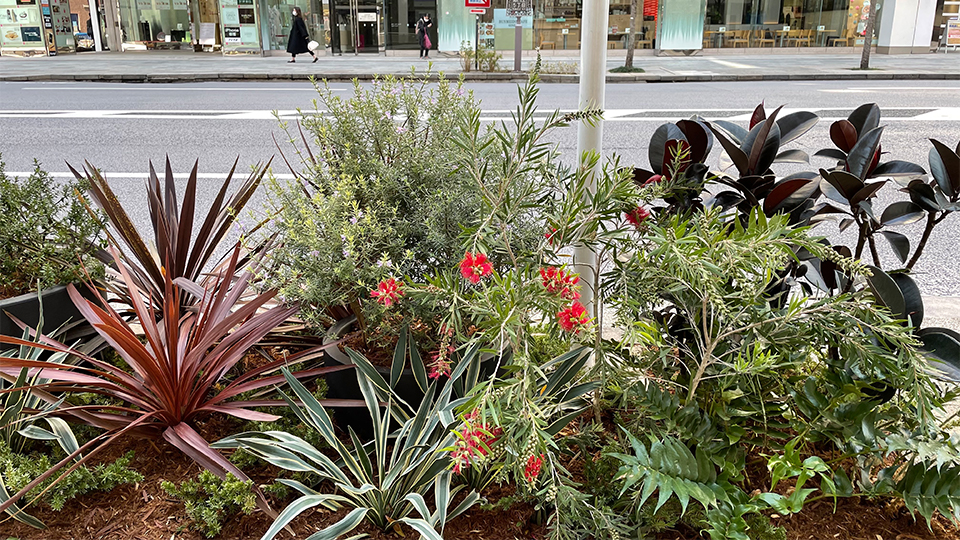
118 128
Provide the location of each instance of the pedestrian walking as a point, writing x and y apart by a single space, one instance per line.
299 37
423 36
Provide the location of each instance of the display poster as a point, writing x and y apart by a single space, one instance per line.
239 23
953 33
20 24
230 15
10 35
248 35
162 4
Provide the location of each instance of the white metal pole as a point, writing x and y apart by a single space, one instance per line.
95 25
593 71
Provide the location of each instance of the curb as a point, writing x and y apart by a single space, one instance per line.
478 77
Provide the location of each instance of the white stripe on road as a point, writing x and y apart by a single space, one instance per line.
867 89
613 115
167 88
178 176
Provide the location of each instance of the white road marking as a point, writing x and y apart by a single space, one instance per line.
143 176
728 63
867 89
167 88
612 115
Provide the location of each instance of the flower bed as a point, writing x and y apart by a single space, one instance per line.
764 383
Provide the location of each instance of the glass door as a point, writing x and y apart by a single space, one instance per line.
355 27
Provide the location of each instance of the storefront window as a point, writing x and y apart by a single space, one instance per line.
779 23
155 24
277 18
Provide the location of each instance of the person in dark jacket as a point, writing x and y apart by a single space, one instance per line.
299 37
422 26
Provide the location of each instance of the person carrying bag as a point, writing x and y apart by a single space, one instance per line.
299 42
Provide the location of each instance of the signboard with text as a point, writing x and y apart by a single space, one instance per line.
477 4
519 8
953 33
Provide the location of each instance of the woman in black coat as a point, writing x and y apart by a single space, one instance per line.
299 37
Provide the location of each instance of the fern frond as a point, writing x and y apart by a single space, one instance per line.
672 469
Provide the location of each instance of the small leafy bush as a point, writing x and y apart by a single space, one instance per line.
48 236
489 59
379 193
209 501
18 470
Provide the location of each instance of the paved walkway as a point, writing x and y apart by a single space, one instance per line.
793 64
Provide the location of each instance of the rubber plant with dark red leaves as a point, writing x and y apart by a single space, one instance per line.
181 366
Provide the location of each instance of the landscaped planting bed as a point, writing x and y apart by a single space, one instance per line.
405 347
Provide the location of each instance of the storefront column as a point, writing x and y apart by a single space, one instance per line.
906 26
112 21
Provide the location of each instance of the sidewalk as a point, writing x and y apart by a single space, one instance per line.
200 67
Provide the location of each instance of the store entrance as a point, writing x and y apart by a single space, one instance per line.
356 27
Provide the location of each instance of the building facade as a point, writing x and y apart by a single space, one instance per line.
378 26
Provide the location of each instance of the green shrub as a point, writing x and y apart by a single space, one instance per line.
210 501
48 236
380 194
19 470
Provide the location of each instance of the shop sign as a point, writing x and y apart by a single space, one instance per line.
162 4
503 19
181 5
953 33
144 4
231 34
519 8
367 16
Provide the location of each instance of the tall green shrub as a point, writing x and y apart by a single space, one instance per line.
379 193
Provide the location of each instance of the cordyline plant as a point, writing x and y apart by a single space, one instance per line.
177 370
177 252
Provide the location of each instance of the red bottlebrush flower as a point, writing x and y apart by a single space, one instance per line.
440 364
549 235
637 216
473 267
474 443
560 282
573 318
655 179
532 470
388 292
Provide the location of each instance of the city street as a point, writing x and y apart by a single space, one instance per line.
119 127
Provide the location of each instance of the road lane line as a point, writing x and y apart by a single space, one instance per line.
129 175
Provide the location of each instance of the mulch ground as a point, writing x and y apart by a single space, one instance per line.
145 512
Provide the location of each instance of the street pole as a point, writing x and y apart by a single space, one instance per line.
95 25
476 45
593 71
517 43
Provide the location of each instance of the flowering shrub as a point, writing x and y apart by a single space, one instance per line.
475 266
475 440
388 292
532 469
560 282
637 216
573 318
